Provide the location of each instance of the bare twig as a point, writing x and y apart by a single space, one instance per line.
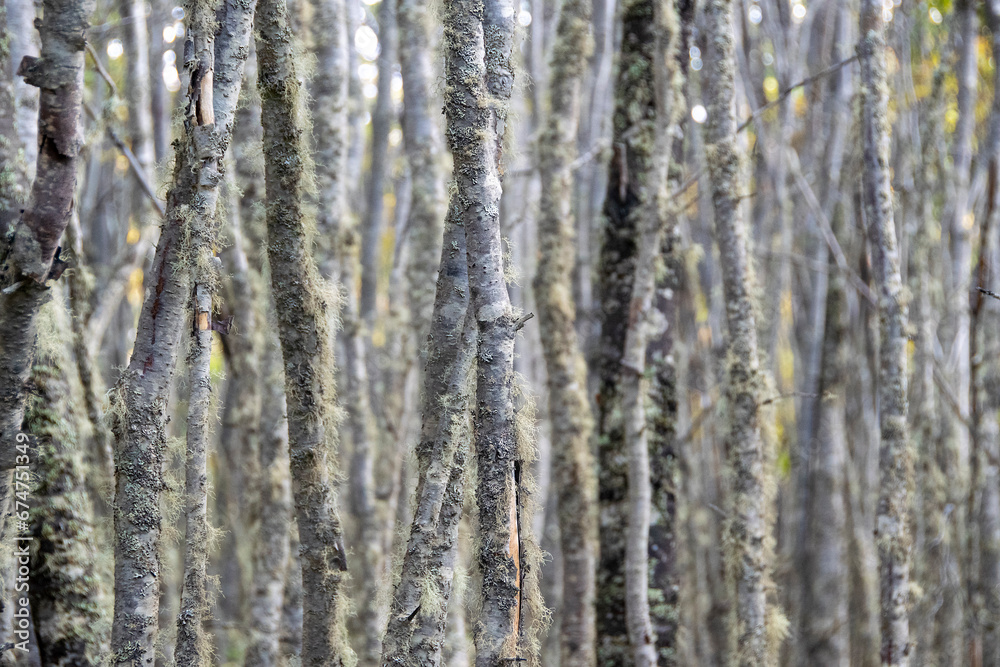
989 293
826 229
788 91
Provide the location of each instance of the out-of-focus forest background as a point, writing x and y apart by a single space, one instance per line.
572 332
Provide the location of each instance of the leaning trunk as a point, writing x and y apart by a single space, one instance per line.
304 309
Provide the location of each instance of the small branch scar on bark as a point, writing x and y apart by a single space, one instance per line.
519 322
413 614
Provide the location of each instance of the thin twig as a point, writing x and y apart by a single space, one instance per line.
989 293
100 67
788 91
827 230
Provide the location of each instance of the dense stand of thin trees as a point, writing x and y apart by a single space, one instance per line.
564 332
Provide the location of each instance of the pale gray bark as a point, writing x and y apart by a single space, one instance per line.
138 94
895 458
424 148
824 599
383 117
140 398
304 309
417 617
192 644
747 555
271 548
569 409
480 77
330 122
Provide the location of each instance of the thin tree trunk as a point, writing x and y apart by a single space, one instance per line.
330 121
31 258
480 77
895 458
748 561
192 644
383 117
824 599
417 621
68 604
569 409
140 398
304 310
271 552
424 149
137 93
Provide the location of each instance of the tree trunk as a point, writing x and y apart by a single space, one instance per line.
271 552
31 258
569 408
424 148
304 310
480 77
192 644
383 117
140 399
895 458
68 605
417 617
748 557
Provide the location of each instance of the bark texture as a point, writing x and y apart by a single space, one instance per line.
28 258
68 605
417 618
747 534
304 308
192 644
626 201
479 75
895 458
569 408
140 397
271 550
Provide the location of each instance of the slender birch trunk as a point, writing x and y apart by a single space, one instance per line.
304 308
32 258
192 644
140 398
68 604
748 557
569 408
417 617
479 73
424 148
137 92
895 458
271 550
824 599
330 122
626 201
383 117
985 430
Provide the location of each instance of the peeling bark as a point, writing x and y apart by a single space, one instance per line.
28 258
